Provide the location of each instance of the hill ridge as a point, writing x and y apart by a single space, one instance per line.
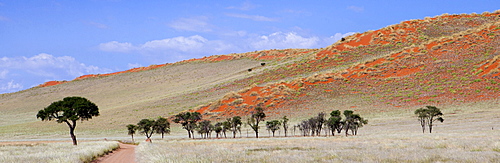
273 95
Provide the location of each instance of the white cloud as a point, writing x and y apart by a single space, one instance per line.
183 44
40 68
134 65
171 49
356 8
115 46
178 48
195 24
251 17
338 36
47 65
280 40
10 87
3 74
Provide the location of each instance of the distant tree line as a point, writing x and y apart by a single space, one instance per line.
192 121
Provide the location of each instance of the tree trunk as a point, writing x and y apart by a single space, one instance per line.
422 123
430 127
189 133
132 138
347 130
72 131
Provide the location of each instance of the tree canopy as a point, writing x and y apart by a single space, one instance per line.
256 118
428 115
188 121
69 110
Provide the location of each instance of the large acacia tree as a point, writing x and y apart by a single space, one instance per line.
69 111
147 127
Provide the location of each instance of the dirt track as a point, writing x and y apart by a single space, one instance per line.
126 154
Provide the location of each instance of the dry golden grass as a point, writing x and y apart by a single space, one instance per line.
465 136
55 152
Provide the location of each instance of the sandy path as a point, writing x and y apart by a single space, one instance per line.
126 154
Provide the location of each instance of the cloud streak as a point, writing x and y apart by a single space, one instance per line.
43 67
356 8
178 48
195 24
245 6
252 17
280 40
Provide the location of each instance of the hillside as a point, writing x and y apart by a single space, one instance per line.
445 60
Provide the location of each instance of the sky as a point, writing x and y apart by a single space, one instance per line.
44 40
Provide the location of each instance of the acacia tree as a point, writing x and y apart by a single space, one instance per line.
188 121
319 121
256 118
226 125
69 110
422 117
235 124
218 129
305 127
273 125
205 128
334 123
353 122
147 127
162 126
428 115
131 130
285 124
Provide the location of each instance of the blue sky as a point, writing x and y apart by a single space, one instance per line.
43 40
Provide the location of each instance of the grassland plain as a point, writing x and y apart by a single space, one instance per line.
468 134
61 152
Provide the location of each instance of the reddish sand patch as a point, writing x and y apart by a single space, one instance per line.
52 83
490 66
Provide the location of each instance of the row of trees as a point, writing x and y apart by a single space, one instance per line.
71 109
314 126
150 126
192 121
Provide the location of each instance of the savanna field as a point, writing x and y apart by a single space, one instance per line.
448 61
